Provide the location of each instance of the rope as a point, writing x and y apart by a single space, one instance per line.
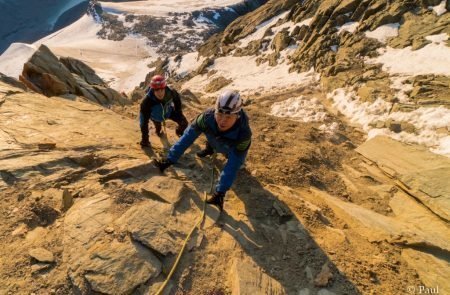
197 224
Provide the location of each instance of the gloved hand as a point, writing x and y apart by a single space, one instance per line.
163 164
217 199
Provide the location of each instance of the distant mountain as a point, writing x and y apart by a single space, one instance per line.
29 20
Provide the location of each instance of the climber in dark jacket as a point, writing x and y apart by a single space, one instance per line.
227 131
159 104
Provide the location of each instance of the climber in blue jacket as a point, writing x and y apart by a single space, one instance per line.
227 131
159 104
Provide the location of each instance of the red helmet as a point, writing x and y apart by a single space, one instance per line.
158 82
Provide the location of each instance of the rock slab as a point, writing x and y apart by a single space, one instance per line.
249 279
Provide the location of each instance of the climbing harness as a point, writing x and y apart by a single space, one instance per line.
197 224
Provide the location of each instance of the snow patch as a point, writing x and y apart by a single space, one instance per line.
433 58
300 108
397 83
13 59
189 63
349 27
248 77
306 22
427 121
439 9
382 33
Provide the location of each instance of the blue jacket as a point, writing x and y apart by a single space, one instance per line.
234 143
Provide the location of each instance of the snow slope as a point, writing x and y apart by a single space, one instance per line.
161 8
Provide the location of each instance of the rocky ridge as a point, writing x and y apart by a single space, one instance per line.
346 66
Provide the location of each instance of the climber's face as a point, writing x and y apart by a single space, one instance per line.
225 121
159 93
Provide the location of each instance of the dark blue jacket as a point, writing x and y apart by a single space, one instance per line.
157 110
234 143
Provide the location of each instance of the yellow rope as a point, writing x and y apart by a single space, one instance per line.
174 267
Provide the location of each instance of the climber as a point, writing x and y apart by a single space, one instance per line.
159 104
227 131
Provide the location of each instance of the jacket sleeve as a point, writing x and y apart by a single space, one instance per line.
235 160
177 102
185 141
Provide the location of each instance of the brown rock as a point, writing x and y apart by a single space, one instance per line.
217 84
83 70
201 70
12 81
324 276
164 188
42 255
281 41
137 94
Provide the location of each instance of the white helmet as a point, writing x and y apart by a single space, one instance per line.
229 102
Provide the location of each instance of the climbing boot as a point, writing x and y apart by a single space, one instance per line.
217 200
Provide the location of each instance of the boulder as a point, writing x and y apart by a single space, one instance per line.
45 74
281 41
42 255
83 70
118 267
157 225
94 262
43 61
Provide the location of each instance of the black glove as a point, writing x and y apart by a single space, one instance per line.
217 199
163 164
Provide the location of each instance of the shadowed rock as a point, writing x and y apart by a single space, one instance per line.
47 75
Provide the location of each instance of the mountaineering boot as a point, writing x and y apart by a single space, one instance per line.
144 143
163 164
144 140
208 151
217 200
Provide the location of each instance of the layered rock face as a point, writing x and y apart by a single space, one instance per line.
333 37
46 74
